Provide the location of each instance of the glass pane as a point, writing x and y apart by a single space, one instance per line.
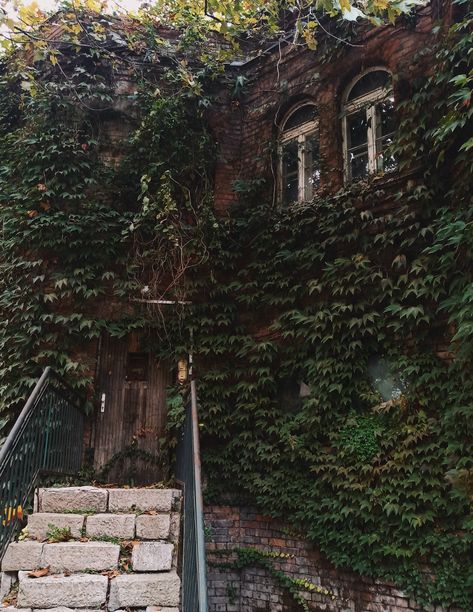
371 81
312 165
357 129
291 189
290 171
385 161
384 135
299 117
385 379
385 115
358 164
290 156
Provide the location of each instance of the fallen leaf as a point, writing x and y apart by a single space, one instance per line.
44 571
111 573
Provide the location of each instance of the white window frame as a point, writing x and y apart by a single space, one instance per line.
368 102
300 134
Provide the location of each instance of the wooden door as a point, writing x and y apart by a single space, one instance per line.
130 413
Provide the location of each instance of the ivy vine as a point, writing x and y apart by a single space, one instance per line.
278 297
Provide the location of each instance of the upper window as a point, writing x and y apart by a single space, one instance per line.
368 124
299 154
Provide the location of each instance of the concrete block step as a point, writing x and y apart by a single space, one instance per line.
60 557
152 557
153 527
40 523
142 590
73 499
142 500
74 591
22 556
121 526
90 500
64 609
80 556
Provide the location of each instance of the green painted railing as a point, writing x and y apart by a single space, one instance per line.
194 575
47 438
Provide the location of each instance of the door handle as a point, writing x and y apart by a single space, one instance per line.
102 403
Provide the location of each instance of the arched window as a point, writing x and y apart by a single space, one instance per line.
368 124
299 167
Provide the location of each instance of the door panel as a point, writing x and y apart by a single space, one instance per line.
132 418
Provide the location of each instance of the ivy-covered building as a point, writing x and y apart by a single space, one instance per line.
299 219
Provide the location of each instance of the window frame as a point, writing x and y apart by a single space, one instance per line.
368 102
300 134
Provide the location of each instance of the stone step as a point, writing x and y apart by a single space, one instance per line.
60 557
76 500
80 556
93 500
142 590
152 557
120 526
142 500
74 591
153 527
64 609
40 523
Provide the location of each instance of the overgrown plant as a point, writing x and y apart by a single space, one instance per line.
306 295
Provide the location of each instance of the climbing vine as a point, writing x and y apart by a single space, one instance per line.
282 300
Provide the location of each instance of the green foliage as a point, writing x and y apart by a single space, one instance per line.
359 436
58 534
252 557
280 297
309 295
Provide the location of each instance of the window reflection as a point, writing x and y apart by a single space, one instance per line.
300 155
385 379
369 126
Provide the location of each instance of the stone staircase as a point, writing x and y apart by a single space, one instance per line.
120 552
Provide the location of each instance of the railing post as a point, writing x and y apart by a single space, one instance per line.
199 504
38 441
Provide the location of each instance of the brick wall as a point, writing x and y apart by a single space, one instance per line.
274 83
253 590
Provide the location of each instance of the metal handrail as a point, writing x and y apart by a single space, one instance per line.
194 573
46 437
